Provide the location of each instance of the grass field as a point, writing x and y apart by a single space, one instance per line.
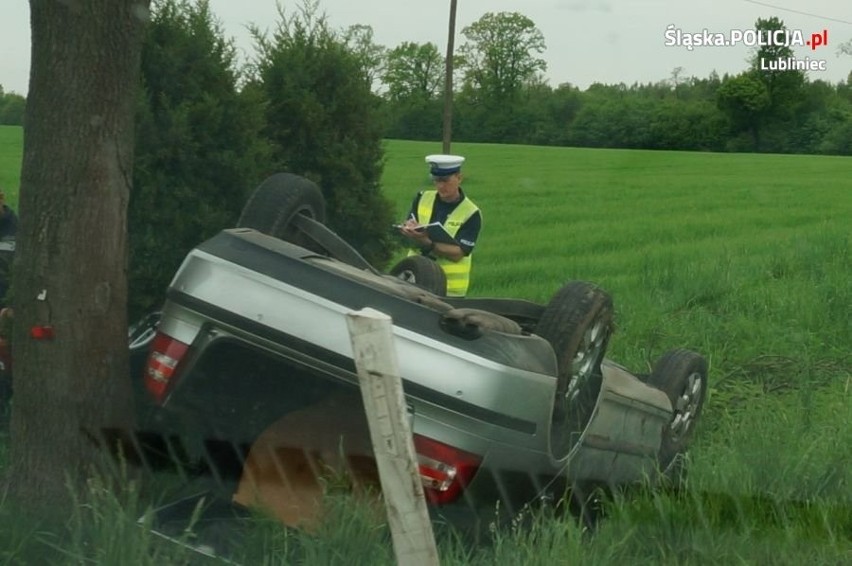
734 255
743 258
11 154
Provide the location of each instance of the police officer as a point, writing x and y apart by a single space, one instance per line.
448 205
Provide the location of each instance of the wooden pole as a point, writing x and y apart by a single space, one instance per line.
448 81
381 387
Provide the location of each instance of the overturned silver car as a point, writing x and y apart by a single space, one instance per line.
251 374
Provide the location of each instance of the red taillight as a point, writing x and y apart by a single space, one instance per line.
166 353
444 470
42 332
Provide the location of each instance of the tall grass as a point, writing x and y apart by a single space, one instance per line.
102 528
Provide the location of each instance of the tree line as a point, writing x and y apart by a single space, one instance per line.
504 98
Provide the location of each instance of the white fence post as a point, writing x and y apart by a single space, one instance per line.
381 388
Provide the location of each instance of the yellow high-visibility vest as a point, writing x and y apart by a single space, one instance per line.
457 272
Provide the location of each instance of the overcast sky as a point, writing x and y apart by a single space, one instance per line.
607 41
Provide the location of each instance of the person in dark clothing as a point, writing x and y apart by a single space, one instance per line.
8 219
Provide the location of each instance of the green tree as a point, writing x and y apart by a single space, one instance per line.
784 87
836 119
564 104
199 147
414 71
323 122
414 80
770 50
72 247
814 118
838 139
548 113
702 89
12 107
499 56
371 56
694 125
413 120
499 68
744 99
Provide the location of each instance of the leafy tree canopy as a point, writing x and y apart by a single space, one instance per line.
371 56
784 87
198 144
414 71
324 123
500 54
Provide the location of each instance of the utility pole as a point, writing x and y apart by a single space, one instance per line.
448 81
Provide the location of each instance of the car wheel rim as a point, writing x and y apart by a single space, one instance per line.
407 275
686 406
588 356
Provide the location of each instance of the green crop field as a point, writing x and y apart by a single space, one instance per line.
743 258
734 255
11 153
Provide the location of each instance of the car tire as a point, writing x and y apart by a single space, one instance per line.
423 272
578 323
682 376
275 202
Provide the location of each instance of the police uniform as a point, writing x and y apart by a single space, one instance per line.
461 219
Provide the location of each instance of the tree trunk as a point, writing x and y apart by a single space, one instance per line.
70 265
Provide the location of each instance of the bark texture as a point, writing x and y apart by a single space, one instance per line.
71 258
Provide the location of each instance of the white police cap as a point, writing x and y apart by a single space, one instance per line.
442 165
